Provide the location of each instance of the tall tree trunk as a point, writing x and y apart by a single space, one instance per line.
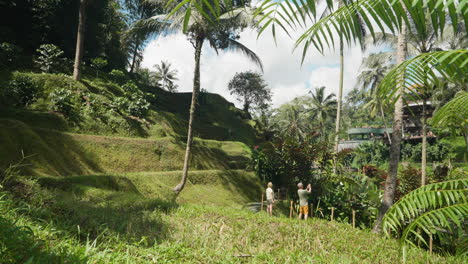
135 53
80 35
193 108
246 105
424 144
340 95
390 182
339 99
385 123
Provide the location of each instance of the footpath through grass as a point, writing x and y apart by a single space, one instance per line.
114 221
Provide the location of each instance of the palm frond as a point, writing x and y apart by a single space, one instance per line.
430 222
427 207
454 112
237 46
424 71
349 20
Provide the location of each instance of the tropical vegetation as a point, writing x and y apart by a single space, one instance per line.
107 158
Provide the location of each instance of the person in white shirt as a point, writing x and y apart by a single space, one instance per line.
270 197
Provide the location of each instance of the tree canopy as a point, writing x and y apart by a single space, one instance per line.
250 89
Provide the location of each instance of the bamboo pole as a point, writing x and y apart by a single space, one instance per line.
354 218
261 208
332 212
311 210
291 210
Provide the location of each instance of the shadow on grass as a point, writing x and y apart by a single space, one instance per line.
241 181
51 152
18 244
205 157
103 204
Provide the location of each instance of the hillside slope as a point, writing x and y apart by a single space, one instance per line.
217 118
59 153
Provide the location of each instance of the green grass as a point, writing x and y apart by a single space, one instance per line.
117 225
58 153
459 148
213 187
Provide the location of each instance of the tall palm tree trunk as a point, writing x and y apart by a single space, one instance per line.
135 53
424 144
339 99
385 123
391 181
193 107
340 95
80 40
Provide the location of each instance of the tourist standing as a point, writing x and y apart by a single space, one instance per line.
303 200
270 196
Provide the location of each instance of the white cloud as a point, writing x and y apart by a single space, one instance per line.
282 67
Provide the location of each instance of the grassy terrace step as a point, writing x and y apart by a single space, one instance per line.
211 187
59 153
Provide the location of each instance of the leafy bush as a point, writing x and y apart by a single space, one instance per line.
134 103
98 64
63 101
138 106
118 76
21 90
9 54
406 151
439 151
50 58
409 179
346 193
373 152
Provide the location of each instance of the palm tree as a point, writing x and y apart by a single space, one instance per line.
166 76
322 108
328 11
80 35
135 38
375 67
394 159
201 23
291 121
421 43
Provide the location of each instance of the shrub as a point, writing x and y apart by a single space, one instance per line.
120 103
21 90
9 54
98 64
439 151
131 88
138 106
118 76
374 152
63 101
50 58
409 179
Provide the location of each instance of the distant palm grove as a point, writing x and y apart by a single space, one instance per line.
104 159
